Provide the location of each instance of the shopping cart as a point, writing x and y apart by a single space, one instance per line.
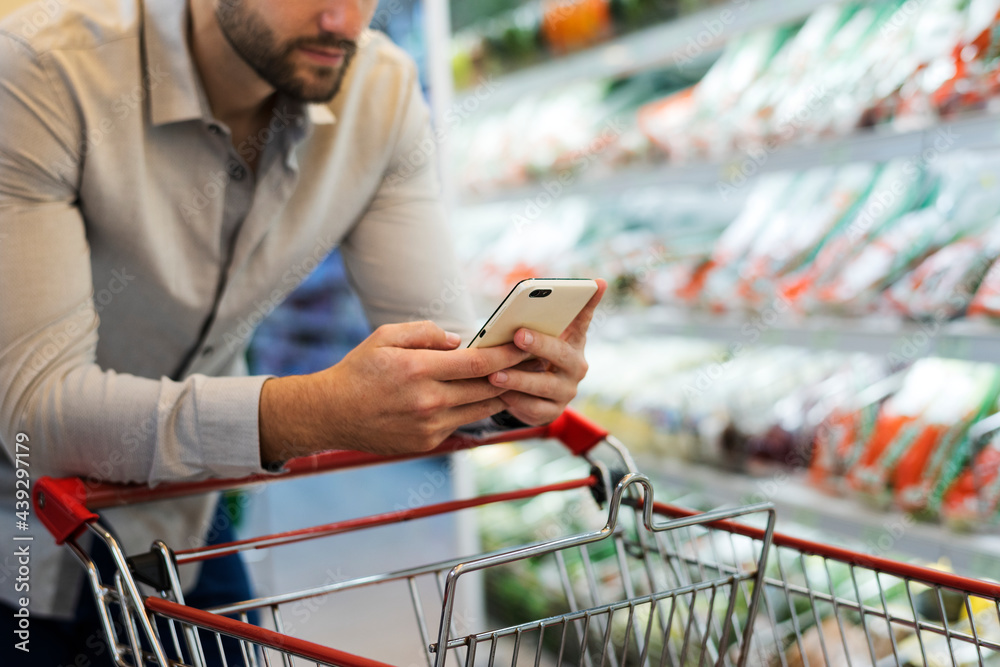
656 585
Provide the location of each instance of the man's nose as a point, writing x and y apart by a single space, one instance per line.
344 17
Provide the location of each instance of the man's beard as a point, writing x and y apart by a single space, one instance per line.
257 44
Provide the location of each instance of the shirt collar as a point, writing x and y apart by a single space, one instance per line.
178 94
320 114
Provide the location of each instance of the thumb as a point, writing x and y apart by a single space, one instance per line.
418 336
576 332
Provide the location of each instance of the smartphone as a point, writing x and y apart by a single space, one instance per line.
546 305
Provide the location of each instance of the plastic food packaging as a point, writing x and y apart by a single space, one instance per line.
920 429
793 236
847 418
931 465
899 187
966 204
942 286
974 498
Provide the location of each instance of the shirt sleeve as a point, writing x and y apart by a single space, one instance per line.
400 257
82 419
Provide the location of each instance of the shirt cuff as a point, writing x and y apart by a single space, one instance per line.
229 412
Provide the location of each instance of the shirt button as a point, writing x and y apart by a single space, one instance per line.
238 172
207 352
215 129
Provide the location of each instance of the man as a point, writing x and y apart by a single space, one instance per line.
169 171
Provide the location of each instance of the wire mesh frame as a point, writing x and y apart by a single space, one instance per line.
818 610
821 609
844 596
176 642
653 600
123 632
635 568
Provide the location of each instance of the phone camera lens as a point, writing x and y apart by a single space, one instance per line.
539 293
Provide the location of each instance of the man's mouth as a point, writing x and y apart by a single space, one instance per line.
328 56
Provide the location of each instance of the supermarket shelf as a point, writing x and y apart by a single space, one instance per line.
799 506
978 131
971 341
703 33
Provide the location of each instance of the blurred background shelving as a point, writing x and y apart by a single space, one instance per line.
664 44
975 131
970 341
798 208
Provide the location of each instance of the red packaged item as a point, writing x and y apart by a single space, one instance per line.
974 498
906 420
971 395
841 437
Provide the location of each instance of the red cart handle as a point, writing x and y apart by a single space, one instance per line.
63 505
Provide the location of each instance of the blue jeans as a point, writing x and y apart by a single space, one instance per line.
80 641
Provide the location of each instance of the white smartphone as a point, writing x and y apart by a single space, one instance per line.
546 305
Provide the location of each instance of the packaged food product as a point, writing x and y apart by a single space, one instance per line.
942 286
935 460
974 498
919 438
899 427
986 301
822 201
900 187
847 417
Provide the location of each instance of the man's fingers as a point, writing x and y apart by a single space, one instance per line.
551 386
534 365
576 332
531 409
416 336
476 362
466 414
559 353
465 392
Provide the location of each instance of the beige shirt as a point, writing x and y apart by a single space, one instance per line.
138 252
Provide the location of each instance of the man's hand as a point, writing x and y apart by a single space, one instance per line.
540 389
403 390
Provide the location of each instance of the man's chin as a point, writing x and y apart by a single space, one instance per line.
312 91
